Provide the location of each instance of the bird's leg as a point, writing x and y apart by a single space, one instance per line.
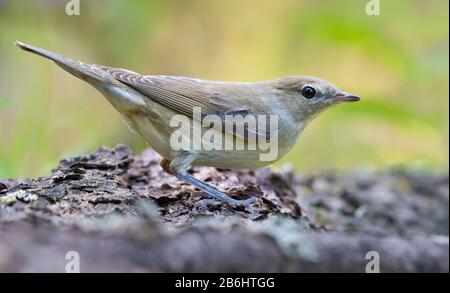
213 191
178 168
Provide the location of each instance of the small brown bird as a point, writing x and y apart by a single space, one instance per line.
190 121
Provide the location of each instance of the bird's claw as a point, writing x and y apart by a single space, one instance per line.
233 203
242 202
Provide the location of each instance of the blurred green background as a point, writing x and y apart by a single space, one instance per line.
397 61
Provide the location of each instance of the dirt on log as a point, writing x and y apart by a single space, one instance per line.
122 213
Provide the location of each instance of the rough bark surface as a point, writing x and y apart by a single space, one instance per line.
124 214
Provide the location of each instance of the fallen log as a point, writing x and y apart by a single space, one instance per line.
121 213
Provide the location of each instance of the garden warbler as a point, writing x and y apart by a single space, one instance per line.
190 121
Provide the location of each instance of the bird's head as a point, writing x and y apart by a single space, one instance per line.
307 96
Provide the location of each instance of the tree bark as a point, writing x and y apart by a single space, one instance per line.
121 213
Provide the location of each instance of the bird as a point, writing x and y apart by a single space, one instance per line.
168 110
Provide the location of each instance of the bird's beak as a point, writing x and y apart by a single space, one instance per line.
344 97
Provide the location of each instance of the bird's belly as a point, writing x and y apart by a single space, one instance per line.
234 159
151 134
157 132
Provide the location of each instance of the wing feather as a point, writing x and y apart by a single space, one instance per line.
182 94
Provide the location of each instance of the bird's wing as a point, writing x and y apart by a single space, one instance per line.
180 94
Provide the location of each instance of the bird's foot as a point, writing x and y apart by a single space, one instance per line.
247 203
219 197
233 203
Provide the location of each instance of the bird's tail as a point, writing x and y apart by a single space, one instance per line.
87 72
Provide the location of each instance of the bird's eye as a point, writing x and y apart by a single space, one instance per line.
308 92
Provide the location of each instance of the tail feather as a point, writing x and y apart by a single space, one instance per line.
41 52
84 71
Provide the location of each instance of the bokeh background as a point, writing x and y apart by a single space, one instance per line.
396 61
